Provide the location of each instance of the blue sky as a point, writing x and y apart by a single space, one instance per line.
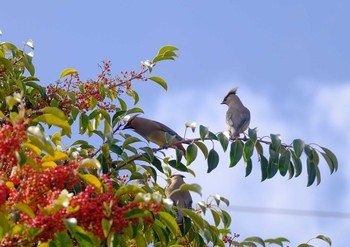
289 58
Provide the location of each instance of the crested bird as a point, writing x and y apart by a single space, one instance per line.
181 199
154 131
237 115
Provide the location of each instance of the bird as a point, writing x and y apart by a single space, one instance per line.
237 115
181 199
154 131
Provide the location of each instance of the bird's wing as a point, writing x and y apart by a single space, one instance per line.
239 120
165 128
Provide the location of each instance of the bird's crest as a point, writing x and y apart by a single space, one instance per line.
129 121
232 91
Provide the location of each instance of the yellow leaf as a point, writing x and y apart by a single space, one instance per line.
68 71
56 138
32 147
57 156
90 163
48 164
25 209
46 244
91 179
10 184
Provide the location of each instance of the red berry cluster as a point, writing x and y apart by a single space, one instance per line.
4 192
39 188
92 210
11 138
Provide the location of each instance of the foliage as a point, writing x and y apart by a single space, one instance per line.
86 194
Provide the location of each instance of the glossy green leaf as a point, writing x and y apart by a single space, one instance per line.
213 160
27 60
169 221
203 148
259 148
226 219
326 239
158 164
332 158
297 165
191 187
160 81
236 152
248 167
140 240
62 239
198 220
128 189
311 172
272 169
203 132
178 165
106 226
256 240
283 163
137 213
264 167
298 146
223 141
191 153
252 133
248 150
276 141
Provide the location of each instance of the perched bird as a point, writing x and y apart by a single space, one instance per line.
237 115
181 199
153 131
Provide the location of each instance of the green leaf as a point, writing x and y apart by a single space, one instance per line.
191 187
332 158
264 167
137 213
284 162
216 217
158 164
298 146
213 160
259 148
248 167
276 141
252 133
178 165
236 152
297 165
169 221
25 209
305 245
106 226
128 189
311 172
160 81
203 132
223 141
51 119
271 169
326 239
203 148
62 239
198 220
248 149
191 153
140 240
68 71
256 240
226 219
27 60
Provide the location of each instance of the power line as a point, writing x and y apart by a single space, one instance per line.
286 211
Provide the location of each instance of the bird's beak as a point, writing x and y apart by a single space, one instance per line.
222 103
